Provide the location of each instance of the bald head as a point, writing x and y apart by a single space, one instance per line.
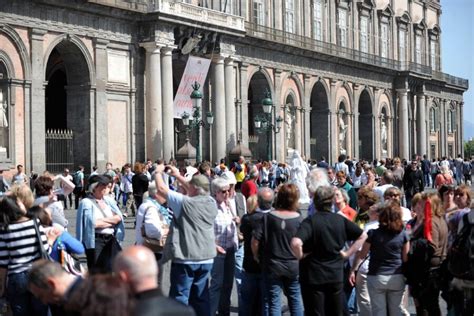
265 198
137 266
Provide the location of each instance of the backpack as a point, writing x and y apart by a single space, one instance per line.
76 179
466 168
461 255
416 269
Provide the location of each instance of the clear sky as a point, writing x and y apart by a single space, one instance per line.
457 43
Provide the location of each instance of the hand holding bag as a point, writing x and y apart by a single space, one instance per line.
155 245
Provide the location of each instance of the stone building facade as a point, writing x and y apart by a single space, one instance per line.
360 77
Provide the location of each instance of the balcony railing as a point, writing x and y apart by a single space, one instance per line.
200 14
291 39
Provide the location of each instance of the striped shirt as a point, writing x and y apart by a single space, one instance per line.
19 246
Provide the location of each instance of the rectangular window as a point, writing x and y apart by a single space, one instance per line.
364 34
258 13
317 20
432 120
418 49
342 27
289 16
402 45
384 40
433 54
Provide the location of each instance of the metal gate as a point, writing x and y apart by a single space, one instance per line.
59 150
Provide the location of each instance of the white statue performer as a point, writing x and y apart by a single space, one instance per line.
342 135
298 172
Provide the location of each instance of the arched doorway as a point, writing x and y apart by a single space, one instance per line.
366 127
67 108
256 93
319 129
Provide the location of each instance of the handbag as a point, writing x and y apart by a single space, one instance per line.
44 254
155 245
107 255
70 263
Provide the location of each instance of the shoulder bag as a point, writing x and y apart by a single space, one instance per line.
44 254
69 262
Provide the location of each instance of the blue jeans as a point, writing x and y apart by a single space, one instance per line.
22 301
253 295
189 285
239 261
291 288
222 278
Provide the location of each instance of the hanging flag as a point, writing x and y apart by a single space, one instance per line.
196 70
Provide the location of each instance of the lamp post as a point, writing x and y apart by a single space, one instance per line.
196 121
264 123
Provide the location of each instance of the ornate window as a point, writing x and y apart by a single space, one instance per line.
418 49
384 40
290 16
258 12
432 120
364 34
402 44
318 20
228 6
433 54
342 27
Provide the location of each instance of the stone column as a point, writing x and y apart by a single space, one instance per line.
404 142
244 115
460 127
332 22
38 115
99 149
167 102
218 108
153 107
333 125
443 133
230 112
299 128
307 117
421 124
280 142
357 91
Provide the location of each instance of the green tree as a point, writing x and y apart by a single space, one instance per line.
469 148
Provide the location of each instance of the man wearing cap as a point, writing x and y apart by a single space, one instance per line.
192 242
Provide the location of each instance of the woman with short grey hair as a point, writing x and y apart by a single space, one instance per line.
225 231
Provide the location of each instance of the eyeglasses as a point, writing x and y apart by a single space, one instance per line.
225 191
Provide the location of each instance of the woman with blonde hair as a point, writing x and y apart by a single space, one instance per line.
23 193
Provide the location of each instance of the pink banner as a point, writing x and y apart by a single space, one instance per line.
196 70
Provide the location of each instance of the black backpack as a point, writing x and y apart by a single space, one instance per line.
416 269
461 255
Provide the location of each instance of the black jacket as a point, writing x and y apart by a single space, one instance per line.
152 302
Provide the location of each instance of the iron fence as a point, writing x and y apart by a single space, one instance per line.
59 150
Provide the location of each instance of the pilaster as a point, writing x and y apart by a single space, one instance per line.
307 116
38 115
244 115
280 147
333 137
404 124
443 132
421 124
99 149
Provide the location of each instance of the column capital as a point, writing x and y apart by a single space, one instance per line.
229 60
151 47
218 59
402 91
101 43
244 66
307 77
332 82
167 50
278 71
37 34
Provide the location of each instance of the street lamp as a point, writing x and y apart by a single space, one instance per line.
264 122
196 121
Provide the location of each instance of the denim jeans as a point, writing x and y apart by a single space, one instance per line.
189 285
239 261
222 278
386 292
253 301
22 301
291 288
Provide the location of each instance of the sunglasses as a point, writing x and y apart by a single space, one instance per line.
225 191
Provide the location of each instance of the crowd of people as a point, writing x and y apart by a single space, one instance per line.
357 237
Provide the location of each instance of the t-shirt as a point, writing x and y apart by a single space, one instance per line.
275 233
324 235
386 251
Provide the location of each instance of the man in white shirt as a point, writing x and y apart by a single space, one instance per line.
385 183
